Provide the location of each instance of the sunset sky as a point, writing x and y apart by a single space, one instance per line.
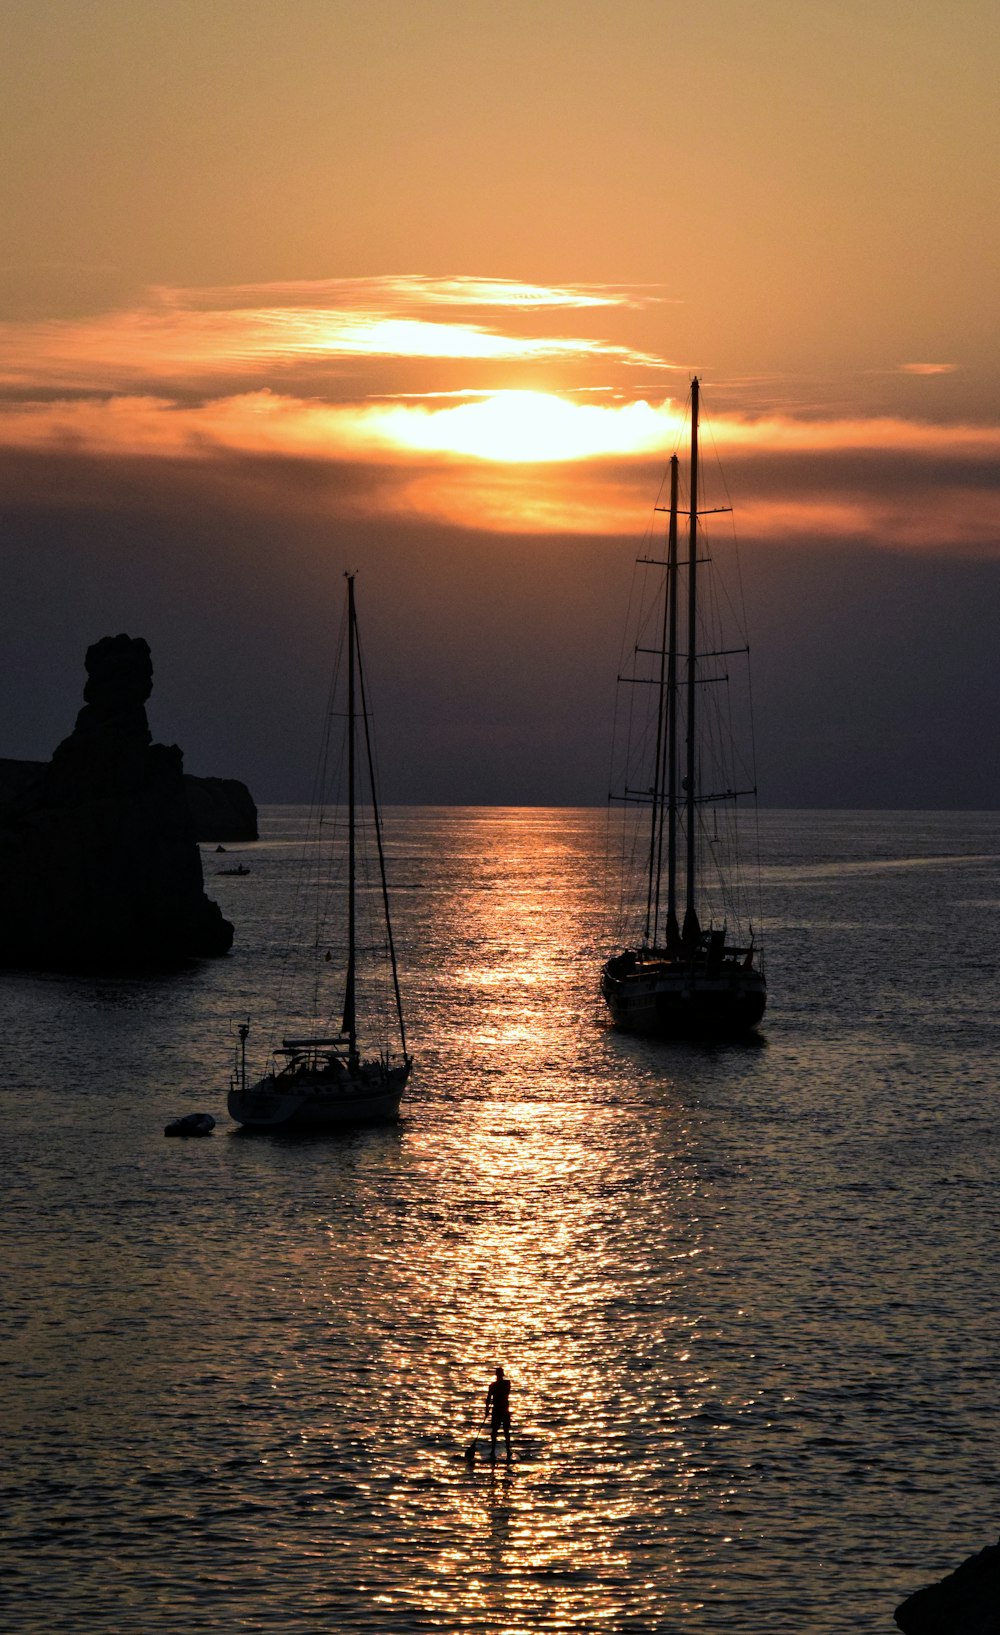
416 287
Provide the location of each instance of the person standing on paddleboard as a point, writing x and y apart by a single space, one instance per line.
498 1399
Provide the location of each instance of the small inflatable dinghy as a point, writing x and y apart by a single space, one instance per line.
191 1124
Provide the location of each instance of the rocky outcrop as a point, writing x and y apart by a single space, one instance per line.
99 865
221 808
967 1602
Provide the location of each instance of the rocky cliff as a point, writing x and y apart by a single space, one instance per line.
99 865
220 808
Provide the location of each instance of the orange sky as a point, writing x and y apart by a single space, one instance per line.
344 232
513 374
464 260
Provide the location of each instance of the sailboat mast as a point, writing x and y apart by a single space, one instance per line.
350 1012
672 928
691 927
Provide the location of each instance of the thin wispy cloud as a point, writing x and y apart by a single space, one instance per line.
928 368
403 293
786 434
180 338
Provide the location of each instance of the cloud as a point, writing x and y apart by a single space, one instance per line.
928 368
183 339
502 427
870 483
406 292
787 434
317 374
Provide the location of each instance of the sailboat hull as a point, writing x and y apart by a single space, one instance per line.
313 1102
685 1003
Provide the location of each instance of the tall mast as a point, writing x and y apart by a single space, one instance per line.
673 933
692 930
350 1014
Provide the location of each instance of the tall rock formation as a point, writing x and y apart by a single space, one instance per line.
99 866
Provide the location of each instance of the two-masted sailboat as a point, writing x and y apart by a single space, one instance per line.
327 1079
694 968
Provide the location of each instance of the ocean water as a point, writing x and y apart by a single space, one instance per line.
745 1294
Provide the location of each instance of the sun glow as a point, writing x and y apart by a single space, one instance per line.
526 426
535 462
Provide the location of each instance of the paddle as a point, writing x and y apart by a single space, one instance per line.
470 1452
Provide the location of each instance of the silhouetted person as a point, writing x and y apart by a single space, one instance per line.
498 1398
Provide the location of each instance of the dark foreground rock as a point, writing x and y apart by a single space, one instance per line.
99 865
967 1602
17 777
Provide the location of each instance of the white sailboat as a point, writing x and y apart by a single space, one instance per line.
690 970
332 1079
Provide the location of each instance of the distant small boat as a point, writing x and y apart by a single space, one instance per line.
321 1079
239 870
680 976
191 1124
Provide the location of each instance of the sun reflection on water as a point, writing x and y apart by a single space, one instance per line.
521 1247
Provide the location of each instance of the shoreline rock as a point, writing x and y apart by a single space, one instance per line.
99 865
221 808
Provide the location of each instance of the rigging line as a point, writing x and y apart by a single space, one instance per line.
632 623
625 740
630 835
744 624
305 861
753 735
319 819
319 845
723 726
605 891
655 850
381 854
739 893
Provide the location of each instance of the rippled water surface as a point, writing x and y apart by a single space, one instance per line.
745 1295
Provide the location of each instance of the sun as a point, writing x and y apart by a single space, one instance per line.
526 427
